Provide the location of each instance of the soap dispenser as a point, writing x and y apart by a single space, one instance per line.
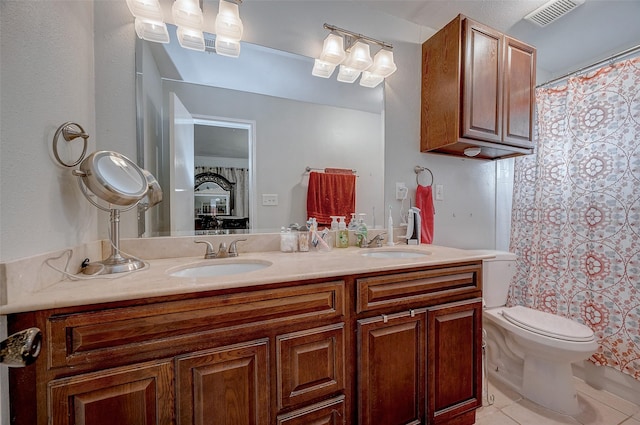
342 239
361 232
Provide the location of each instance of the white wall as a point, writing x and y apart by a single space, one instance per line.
47 79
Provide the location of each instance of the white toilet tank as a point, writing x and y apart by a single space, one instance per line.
496 277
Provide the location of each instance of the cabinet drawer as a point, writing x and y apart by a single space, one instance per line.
132 333
310 364
419 288
329 412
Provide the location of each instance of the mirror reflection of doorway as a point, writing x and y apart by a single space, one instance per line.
222 168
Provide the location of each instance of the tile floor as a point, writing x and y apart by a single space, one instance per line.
599 408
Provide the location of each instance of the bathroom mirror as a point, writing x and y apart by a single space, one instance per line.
290 121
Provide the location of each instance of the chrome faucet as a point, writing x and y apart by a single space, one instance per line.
375 242
223 252
233 251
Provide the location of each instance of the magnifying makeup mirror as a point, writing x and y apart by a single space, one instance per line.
118 182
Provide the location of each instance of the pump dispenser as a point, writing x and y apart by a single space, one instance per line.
342 239
361 232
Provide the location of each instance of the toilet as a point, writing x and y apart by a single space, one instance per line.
529 350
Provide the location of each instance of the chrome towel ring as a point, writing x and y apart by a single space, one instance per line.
70 131
419 170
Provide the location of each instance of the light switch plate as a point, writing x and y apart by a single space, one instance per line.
439 192
269 199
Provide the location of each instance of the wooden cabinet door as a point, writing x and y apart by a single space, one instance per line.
310 364
482 84
454 360
391 383
227 385
134 395
519 92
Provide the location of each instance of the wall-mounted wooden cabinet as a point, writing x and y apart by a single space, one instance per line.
477 91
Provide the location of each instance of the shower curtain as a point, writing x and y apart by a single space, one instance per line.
576 210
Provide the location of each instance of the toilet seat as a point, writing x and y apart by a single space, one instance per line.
548 324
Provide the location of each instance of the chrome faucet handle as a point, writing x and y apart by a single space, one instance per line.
210 252
233 250
222 251
377 240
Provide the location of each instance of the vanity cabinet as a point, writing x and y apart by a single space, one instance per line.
236 358
420 347
478 90
392 347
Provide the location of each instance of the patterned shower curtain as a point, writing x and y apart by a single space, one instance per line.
576 210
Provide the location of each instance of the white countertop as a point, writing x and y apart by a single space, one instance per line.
154 280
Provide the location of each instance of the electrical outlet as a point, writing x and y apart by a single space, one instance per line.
401 191
439 192
270 199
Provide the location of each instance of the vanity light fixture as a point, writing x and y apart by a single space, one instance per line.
149 23
189 18
229 29
332 55
187 15
351 52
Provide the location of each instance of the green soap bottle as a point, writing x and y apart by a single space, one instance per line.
342 240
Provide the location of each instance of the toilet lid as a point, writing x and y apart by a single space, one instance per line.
547 324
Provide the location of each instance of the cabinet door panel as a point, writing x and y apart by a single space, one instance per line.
310 364
519 92
391 369
454 359
229 386
482 89
138 395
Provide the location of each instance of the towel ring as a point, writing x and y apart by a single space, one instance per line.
418 170
70 131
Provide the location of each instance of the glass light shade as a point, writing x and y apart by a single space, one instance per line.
383 64
155 31
332 49
370 79
323 69
190 38
227 47
187 13
348 75
228 23
359 57
147 9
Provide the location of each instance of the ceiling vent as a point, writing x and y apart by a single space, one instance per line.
552 11
209 43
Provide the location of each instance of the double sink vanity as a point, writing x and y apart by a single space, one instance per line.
387 336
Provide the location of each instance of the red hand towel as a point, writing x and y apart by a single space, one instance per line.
424 201
330 194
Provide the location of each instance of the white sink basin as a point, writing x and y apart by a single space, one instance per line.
213 269
394 253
